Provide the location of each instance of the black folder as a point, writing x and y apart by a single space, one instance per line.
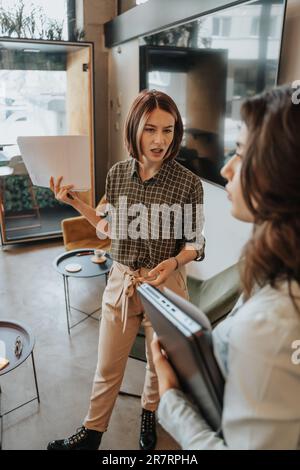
185 334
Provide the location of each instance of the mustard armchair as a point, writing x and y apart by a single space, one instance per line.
79 233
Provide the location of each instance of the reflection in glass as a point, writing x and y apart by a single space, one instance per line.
33 102
209 66
43 89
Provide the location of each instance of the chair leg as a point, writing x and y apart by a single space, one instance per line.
137 358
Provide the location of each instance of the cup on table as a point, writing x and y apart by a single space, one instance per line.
99 253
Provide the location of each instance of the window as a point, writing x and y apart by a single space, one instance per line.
39 85
33 102
42 19
274 27
254 29
221 26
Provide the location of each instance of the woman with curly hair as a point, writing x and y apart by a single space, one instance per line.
256 344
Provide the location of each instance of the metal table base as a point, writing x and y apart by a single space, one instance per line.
37 397
69 306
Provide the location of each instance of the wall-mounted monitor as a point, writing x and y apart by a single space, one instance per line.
209 66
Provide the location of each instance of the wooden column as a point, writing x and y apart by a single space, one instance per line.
95 14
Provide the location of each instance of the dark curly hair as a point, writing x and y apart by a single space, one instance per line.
270 179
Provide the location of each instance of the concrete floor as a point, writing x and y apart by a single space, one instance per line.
31 291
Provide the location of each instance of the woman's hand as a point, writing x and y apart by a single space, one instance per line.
161 272
63 193
166 376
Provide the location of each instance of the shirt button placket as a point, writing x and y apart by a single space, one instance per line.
143 198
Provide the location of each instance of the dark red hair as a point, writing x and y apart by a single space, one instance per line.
138 115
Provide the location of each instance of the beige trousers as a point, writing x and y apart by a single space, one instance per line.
122 315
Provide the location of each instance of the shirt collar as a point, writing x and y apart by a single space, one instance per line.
134 167
160 175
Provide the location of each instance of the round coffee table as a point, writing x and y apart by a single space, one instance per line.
10 332
88 269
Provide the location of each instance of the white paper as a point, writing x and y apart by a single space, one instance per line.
67 156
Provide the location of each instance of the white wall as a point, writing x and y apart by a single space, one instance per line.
122 89
225 236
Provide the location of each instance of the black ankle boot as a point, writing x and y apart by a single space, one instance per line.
83 439
148 430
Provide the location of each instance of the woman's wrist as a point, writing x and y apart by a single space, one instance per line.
76 203
176 261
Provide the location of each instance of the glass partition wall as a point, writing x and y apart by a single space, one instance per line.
46 89
209 66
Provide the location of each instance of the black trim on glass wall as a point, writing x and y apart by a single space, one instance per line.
155 15
119 7
17 60
159 14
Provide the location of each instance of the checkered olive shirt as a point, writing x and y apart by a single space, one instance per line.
145 232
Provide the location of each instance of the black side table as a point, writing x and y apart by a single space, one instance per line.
9 332
88 269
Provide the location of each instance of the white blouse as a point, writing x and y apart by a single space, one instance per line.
255 348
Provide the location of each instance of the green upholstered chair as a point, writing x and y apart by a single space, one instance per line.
216 296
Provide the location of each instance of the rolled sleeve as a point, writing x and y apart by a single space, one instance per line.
108 187
194 221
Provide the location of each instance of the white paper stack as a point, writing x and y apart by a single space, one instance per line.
67 156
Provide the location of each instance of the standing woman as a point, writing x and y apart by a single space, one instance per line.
256 345
149 179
